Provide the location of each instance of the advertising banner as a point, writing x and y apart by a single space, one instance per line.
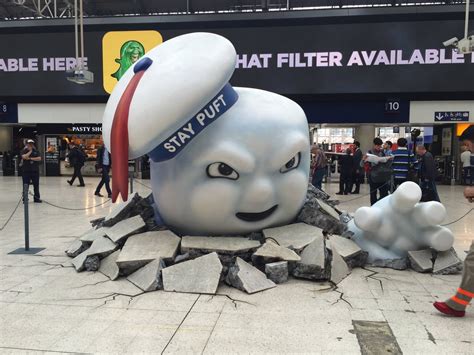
352 58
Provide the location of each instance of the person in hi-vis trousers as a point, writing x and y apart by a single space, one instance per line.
456 305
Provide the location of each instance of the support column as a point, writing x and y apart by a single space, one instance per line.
365 134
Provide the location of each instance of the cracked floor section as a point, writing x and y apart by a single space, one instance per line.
46 306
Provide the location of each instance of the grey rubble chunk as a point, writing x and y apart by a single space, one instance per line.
397 264
140 249
421 260
109 267
271 252
314 214
352 254
339 268
200 275
315 263
221 245
125 228
92 263
277 272
102 246
75 248
148 278
245 277
329 210
93 234
294 236
447 263
121 210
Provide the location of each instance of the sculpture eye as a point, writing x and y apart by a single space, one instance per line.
221 170
291 164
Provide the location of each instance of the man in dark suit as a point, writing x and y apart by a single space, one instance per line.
346 168
104 162
31 159
357 171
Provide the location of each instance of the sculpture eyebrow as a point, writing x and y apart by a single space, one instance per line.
294 145
236 157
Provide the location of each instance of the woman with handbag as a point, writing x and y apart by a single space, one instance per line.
379 170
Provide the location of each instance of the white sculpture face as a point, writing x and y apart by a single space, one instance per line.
247 171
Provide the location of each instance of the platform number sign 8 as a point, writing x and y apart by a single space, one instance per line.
3 108
392 106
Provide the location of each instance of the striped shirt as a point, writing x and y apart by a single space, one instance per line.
402 158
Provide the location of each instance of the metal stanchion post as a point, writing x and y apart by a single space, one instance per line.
26 249
27 222
453 173
131 182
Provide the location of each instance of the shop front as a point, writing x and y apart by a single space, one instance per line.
54 139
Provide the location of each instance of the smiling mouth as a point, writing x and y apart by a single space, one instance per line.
254 217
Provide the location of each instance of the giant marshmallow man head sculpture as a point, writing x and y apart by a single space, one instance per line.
224 160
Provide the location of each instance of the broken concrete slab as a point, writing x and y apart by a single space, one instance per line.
339 268
315 263
125 228
277 272
102 247
271 252
221 245
92 263
352 254
294 236
109 267
245 277
329 210
93 234
200 275
140 249
421 260
121 210
397 264
314 214
447 263
76 248
148 278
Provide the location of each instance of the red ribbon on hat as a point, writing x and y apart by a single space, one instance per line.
119 133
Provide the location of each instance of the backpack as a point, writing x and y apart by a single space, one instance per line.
381 172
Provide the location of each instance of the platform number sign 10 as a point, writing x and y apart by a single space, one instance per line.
392 106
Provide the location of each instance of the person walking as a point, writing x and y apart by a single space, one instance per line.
346 167
404 164
30 158
427 169
467 168
104 162
77 159
379 170
358 171
319 166
456 305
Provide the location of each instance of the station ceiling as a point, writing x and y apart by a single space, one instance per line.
28 9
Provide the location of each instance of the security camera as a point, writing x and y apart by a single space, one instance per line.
451 42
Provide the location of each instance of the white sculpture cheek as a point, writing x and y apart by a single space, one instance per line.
213 204
291 192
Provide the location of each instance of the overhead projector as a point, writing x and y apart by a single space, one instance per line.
80 76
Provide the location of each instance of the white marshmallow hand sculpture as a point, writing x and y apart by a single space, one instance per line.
400 223
224 160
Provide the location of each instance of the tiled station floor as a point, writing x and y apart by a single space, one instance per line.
45 306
